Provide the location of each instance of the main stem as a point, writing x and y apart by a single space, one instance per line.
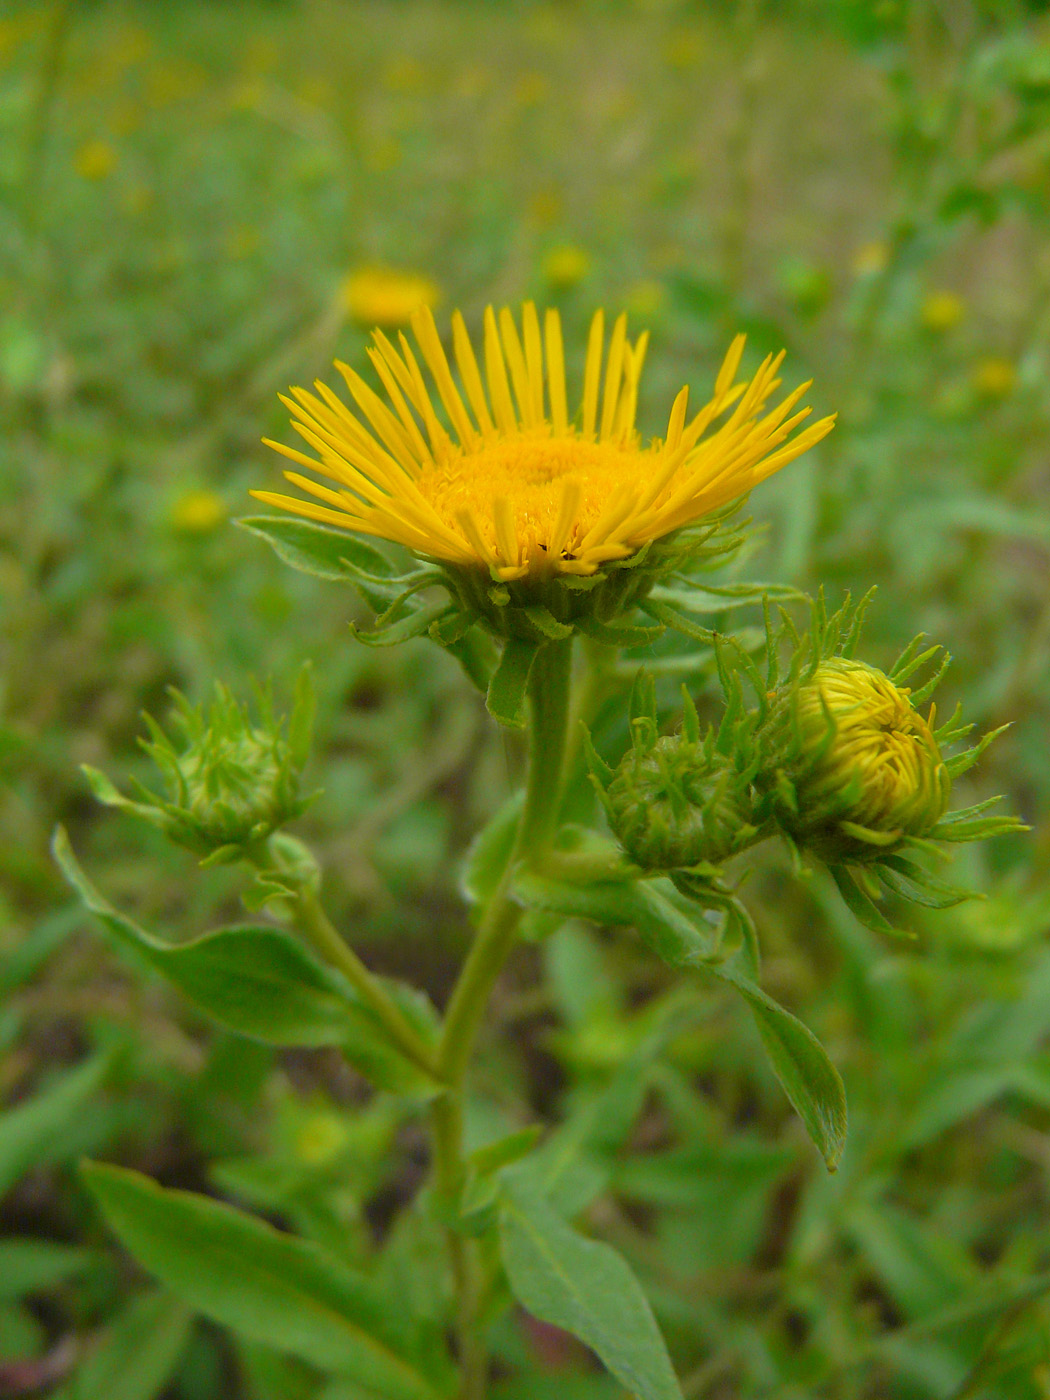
549 687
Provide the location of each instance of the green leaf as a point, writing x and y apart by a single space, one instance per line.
313 549
476 653
137 1355
405 629
672 934
33 1266
35 1131
269 1286
669 617
260 982
490 851
506 694
860 904
800 1062
619 634
585 1287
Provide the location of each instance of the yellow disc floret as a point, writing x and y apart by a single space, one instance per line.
504 480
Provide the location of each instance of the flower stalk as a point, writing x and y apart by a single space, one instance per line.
549 694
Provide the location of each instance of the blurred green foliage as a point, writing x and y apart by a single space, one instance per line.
184 189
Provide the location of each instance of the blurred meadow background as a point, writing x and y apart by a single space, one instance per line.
202 203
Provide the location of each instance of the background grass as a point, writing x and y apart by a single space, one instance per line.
184 189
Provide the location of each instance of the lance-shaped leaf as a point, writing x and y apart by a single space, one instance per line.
34 1131
583 1286
259 981
327 554
679 938
800 1062
267 1285
136 1356
808 1077
490 851
509 681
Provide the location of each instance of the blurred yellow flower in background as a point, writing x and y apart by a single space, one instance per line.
383 296
198 512
95 160
994 377
870 258
404 74
682 48
645 299
942 311
565 266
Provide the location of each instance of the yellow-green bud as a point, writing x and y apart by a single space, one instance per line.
855 770
673 805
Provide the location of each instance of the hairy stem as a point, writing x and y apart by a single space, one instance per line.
549 686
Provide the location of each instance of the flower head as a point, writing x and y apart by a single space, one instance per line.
95 160
942 311
232 778
565 266
865 769
198 512
519 489
994 377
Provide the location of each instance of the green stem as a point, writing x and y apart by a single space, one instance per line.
548 726
323 934
549 688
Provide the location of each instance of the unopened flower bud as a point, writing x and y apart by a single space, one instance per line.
233 780
675 805
854 769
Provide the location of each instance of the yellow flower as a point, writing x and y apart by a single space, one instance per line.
683 48
404 74
942 311
382 296
869 259
530 89
519 488
646 298
565 266
198 512
95 160
994 377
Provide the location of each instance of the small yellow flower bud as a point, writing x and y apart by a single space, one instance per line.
859 770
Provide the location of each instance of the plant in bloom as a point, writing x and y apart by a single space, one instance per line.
519 488
539 522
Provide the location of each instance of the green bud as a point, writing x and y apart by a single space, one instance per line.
674 805
853 770
232 779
